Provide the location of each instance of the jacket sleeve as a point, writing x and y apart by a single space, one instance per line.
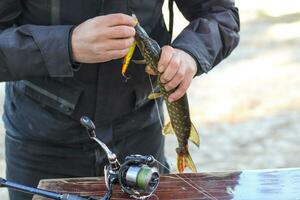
212 33
31 50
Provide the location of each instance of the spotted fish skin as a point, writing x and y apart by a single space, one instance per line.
178 110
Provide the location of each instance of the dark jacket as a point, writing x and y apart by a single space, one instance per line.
47 93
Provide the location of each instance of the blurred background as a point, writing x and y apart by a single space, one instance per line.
247 109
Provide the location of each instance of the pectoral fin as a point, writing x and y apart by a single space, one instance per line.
168 129
194 136
155 95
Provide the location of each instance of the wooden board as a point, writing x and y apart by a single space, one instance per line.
283 184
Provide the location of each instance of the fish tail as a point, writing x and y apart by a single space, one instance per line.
184 160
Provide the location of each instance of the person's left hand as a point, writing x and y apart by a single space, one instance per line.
177 70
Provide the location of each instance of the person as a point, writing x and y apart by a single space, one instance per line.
62 60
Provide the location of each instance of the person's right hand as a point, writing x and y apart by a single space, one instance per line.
103 38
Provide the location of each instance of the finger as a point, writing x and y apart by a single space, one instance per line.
115 54
171 69
119 19
181 90
149 70
120 32
119 44
166 56
178 78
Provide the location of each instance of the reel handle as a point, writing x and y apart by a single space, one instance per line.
89 125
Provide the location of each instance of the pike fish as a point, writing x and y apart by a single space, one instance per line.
180 122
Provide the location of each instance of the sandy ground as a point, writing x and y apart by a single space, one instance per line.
247 109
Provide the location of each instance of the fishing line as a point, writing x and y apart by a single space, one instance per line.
201 188
156 104
196 187
153 195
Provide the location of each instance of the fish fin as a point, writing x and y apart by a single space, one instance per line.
155 95
168 129
194 136
139 62
184 161
128 57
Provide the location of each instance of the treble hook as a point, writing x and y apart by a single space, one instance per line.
126 78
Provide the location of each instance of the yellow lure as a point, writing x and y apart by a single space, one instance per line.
128 57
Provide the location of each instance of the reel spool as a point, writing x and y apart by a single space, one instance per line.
137 177
144 178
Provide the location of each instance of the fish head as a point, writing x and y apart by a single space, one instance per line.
149 48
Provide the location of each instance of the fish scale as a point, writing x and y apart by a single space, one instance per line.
180 122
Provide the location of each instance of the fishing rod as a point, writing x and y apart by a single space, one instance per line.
40 192
137 176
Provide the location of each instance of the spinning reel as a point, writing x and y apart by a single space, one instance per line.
137 176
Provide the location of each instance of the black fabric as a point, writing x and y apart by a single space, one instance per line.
171 18
76 65
212 33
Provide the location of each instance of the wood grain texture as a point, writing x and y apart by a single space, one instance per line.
283 184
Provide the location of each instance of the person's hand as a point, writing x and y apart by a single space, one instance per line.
103 38
177 70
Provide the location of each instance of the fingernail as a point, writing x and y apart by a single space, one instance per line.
160 68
